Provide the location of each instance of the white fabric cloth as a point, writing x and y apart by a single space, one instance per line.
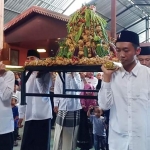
37 108
69 104
7 82
15 97
18 94
128 98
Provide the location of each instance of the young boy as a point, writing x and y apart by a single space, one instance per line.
15 116
98 127
18 94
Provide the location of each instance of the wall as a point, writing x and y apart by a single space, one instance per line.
23 54
36 31
36 28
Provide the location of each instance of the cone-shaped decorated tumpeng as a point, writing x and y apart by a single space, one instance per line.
87 36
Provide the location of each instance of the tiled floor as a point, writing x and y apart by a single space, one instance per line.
21 132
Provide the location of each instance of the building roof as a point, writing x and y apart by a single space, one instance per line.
38 10
131 14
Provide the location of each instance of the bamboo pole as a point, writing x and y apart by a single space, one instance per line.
1 24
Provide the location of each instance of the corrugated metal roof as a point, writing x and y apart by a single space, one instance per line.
144 5
9 15
138 27
118 28
104 7
19 6
127 12
127 18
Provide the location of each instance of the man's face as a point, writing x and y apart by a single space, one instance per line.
31 58
126 53
144 60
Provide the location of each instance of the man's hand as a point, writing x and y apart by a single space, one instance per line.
107 71
2 68
91 107
107 74
83 106
26 62
20 123
56 109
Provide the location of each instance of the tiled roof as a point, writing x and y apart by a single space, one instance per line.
39 10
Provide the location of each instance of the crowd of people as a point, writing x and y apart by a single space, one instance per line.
119 119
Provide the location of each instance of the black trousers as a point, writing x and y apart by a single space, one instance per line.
53 113
36 135
6 141
85 135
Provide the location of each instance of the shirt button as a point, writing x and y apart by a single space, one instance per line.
129 133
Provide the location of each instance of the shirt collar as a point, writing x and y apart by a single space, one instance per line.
134 70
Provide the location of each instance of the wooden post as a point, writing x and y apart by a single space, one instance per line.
113 18
1 24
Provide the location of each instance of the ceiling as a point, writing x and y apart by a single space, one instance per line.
131 15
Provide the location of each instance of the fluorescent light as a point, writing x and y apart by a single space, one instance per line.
11 66
14 68
41 50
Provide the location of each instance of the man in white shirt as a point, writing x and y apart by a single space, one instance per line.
67 121
7 80
126 92
144 56
37 112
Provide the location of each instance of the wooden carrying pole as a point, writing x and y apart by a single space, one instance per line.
1 23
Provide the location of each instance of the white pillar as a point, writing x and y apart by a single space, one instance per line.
1 24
